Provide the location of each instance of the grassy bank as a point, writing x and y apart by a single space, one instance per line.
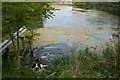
85 65
111 7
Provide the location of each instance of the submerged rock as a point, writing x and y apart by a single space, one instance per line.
48 52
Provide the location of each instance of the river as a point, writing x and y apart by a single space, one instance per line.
79 29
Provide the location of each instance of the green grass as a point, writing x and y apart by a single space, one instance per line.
84 65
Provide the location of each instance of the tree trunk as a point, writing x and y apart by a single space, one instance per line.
12 38
18 46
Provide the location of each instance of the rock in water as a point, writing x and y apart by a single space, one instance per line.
48 52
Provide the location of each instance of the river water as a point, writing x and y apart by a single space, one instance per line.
91 28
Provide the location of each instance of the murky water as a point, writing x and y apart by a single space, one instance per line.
78 29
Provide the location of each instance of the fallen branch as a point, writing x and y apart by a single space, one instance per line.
51 75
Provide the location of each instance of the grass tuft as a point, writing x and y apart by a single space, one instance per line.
84 65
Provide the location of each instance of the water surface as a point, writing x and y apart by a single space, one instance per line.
78 29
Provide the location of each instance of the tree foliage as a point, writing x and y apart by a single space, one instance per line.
19 14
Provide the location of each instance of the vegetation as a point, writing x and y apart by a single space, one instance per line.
112 7
85 65
19 14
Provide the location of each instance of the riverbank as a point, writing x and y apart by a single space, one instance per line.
111 7
85 65
61 3
83 30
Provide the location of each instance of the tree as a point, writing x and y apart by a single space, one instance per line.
19 14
